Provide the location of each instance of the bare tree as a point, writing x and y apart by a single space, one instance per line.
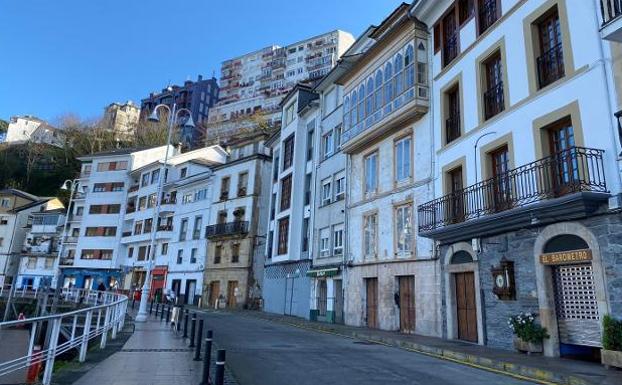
33 152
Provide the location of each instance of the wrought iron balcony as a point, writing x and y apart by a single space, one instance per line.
551 66
450 48
577 169
487 14
494 101
452 127
225 229
611 12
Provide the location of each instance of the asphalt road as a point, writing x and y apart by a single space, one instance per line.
261 352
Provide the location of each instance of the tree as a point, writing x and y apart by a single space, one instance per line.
152 134
4 125
258 122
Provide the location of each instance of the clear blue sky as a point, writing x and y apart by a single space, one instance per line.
77 56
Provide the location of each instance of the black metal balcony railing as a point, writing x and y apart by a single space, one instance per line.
487 14
229 228
165 228
574 170
551 66
450 48
452 127
610 10
494 101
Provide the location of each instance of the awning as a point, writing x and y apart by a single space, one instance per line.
323 272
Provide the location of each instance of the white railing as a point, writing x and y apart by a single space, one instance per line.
104 312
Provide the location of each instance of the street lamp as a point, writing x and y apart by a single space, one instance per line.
72 186
173 117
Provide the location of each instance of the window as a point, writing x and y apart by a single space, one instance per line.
151 202
187 198
330 101
283 235
310 135
4 220
112 166
456 202
180 256
1 241
96 254
5 202
403 229
144 180
346 112
398 82
222 216
369 99
273 206
499 161
155 176
361 107
32 262
327 144
164 249
493 80
402 159
235 252
196 233
409 67
326 193
183 172
286 192
465 10
307 199
193 255
242 184
305 235
102 209
388 85
340 188
488 13
217 254
289 113
142 203
371 173
550 62
108 187
338 240
452 112
450 37
353 106
130 252
325 242
275 168
288 152
100 231
183 229
338 131
148 225
224 188
369 235
49 263
80 210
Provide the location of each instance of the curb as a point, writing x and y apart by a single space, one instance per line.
522 372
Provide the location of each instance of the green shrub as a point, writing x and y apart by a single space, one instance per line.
612 333
524 326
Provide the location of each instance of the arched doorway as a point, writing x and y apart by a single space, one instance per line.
571 292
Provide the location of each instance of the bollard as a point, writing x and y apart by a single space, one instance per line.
151 308
185 324
162 313
157 308
220 367
197 352
133 302
193 325
207 357
168 314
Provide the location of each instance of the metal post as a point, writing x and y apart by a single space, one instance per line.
220 367
197 352
193 325
49 362
162 313
102 343
157 308
168 314
85 336
122 320
185 324
73 326
31 342
113 323
207 357
151 308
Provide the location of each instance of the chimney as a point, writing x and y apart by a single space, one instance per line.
200 78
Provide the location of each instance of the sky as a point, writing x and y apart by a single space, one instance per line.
77 56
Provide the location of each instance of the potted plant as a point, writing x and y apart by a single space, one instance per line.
528 335
611 354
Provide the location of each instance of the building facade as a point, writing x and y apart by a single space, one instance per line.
236 229
197 96
526 208
122 118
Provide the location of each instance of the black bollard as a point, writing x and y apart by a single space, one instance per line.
133 302
168 314
157 309
220 367
151 308
207 357
193 325
162 313
185 324
197 352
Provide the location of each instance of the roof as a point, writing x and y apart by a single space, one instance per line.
30 205
19 193
298 87
119 151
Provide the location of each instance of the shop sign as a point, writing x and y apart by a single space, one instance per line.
565 257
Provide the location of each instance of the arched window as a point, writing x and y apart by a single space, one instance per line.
378 95
346 112
565 242
369 101
459 257
361 107
399 75
409 66
388 89
353 115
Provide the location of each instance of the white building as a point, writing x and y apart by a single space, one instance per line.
526 144
25 128
39 254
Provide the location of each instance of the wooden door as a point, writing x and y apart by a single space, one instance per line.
231 289
407 304
214 292
465 306
338 301
372 302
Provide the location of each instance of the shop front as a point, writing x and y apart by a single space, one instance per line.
91 278
326 294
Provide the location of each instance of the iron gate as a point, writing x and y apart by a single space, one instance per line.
575 303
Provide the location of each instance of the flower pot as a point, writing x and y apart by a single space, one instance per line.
611 358
527 347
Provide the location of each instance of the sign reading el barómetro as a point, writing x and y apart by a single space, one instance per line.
563 257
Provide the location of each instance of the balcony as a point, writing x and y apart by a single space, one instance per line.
551 66
568 185
133 188
70 239
611 28
226 229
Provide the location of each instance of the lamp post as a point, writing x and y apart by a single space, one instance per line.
173 116
72 186
475 151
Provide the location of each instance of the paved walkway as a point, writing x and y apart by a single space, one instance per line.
543 369
153 355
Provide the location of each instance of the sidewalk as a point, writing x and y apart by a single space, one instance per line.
541 369
153 355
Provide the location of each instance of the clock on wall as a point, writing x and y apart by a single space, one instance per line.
503 280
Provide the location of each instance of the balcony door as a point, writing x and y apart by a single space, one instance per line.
456 194
494 101
501 188
551 59
450 37
564 165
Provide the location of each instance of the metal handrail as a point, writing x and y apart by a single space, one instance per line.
106 313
